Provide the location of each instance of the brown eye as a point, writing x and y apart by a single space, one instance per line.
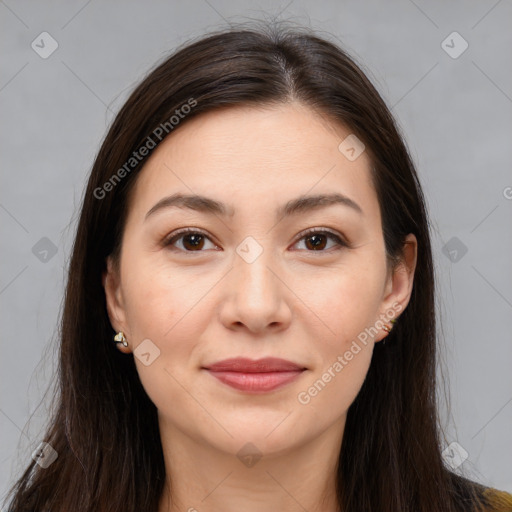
194 241
191 241
317 240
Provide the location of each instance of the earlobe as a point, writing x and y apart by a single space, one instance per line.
113 296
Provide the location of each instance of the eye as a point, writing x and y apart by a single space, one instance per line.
191 239
315 240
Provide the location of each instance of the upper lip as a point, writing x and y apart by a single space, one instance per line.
244 365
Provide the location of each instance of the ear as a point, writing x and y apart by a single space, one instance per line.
115 304
399 284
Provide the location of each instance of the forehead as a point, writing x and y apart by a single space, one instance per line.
249 156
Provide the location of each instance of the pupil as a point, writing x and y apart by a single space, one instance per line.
195 240
318 242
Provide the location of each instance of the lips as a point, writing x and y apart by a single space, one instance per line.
244 365
260 376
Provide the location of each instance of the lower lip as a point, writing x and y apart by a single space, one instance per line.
256 382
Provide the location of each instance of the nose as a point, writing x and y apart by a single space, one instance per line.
257 297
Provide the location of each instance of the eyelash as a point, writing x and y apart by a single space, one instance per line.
340 242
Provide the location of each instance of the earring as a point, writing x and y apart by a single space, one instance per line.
120 338
388 328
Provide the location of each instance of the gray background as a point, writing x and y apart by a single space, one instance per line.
455 113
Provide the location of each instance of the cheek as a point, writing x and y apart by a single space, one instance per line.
346 299
165 307
325 397
170 307
159 299
332 390
347 302
343 371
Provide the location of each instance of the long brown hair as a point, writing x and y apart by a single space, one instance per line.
104 426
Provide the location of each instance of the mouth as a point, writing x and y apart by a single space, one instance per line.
255 376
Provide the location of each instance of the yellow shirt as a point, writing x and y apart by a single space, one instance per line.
498 501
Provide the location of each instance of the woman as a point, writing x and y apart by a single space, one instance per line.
249 319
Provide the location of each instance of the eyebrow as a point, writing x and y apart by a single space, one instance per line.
298 205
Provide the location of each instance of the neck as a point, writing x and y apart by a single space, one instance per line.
205 478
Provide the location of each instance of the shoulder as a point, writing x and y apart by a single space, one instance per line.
473 495
497 501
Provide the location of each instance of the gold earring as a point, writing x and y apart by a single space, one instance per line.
120 338
388 328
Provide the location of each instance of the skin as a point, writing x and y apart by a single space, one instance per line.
293 302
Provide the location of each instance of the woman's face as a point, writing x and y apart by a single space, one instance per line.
248 281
